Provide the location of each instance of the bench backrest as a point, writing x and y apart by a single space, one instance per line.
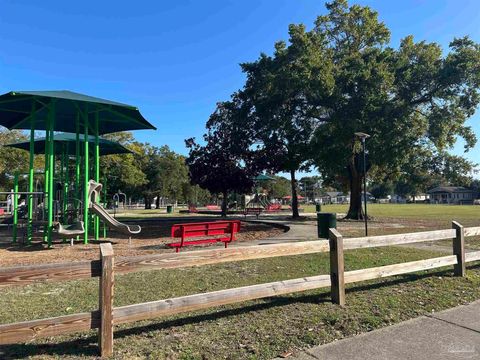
213 207
274 207
205 228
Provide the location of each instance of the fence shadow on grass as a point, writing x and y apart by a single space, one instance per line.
84 346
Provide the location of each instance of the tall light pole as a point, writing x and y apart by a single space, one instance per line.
363 136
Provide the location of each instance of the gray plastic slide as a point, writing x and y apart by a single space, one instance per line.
114 223
94 189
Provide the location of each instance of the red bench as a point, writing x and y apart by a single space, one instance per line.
253 211
213 207
274 207
204 229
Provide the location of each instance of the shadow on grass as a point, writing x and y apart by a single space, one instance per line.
88 344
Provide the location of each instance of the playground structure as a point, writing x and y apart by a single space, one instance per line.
260 199
67 212
84 118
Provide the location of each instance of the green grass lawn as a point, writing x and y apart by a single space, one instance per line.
424 211
259 329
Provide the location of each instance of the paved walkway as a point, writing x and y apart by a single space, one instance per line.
448 335
298 230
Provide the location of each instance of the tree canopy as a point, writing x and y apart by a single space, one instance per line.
407 99
221 165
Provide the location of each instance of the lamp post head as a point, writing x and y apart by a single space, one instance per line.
362 136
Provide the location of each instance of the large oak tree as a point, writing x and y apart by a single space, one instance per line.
405 98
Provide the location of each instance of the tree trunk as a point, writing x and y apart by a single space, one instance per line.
293 183
224 204
157 203
148 204
355 210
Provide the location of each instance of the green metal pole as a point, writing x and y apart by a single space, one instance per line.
66 185
77 166
61 179
86 177
105 205
77 162
46 184
97 174
15 207
63 182
51 164
30 180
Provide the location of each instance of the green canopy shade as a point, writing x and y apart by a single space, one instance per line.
263 177
67 142
27 109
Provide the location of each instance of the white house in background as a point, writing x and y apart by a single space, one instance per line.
335 197
451 195
398 199
419 198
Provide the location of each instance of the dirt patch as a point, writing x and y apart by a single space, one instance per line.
155 234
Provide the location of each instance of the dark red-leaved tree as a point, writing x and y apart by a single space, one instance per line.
220 165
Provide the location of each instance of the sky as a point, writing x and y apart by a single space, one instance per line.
175 60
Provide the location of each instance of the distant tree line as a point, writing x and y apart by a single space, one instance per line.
149 172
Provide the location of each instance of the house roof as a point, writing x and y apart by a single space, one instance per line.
334 193
449 189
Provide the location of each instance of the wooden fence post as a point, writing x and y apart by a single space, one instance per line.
105 333
459 269
337 276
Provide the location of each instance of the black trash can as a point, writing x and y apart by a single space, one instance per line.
326 221
318 207
169 209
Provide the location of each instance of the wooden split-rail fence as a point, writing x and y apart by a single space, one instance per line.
108 316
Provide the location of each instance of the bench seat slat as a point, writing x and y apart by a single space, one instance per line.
200 241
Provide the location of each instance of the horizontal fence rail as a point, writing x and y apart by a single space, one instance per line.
27 331
107 316
398 269
217 256
472 231
472 256
397 239
25 275
216 298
